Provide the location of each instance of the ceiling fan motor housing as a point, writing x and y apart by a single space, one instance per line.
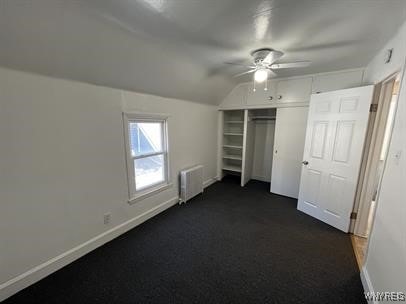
260 54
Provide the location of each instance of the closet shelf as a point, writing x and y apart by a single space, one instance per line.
232 168
232 146
264 117
235 157
233 134
235 121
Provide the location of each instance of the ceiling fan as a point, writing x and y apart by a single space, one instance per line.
264 64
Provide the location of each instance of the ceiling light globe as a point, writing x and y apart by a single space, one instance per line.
261 75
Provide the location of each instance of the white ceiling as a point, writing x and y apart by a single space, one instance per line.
177 48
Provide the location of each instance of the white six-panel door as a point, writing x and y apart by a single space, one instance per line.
335 134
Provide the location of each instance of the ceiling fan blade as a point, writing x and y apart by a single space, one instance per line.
243 73
298 64
272 57
239 64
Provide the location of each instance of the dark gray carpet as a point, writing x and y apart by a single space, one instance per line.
229 245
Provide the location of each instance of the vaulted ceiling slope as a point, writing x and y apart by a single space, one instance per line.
177 48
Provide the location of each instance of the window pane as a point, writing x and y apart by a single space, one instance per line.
149 171
145 137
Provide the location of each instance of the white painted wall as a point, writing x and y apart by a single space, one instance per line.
385 266
62 165
377 70
263 151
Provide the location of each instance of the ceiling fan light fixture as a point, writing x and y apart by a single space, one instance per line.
261 75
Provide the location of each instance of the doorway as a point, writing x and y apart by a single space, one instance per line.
374 158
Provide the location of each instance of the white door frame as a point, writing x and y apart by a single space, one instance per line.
367 181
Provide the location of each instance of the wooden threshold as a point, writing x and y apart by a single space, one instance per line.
359 244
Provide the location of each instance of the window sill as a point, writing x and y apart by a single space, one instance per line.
149 192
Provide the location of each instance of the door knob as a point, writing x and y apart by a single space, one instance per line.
305 162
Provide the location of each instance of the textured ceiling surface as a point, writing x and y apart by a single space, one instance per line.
177 48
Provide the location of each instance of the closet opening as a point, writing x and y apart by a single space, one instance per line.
263 125
264 144
247 144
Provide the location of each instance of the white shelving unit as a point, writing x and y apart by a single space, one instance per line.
232 146
232 168
233 134
236 157
235 122
232 142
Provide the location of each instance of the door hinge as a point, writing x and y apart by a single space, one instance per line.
353 215
373 107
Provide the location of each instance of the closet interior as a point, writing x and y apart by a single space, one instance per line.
264 144
259 144
247 143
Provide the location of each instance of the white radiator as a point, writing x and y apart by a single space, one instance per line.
191 183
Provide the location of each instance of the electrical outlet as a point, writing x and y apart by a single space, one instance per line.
107 218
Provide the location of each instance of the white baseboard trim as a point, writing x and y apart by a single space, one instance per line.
37 273
366 283
210 182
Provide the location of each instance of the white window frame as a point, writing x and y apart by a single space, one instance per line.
133 194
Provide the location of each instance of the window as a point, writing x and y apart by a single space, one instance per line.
147 154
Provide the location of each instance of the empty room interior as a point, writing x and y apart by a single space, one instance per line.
202 151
